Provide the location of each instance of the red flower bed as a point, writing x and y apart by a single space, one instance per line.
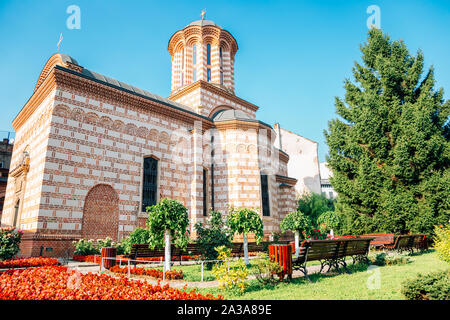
28 262
170 275
62 283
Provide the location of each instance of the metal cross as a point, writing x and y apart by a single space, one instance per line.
59 42
203 14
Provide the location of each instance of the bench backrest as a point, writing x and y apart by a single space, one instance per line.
143 250
356 246
322 249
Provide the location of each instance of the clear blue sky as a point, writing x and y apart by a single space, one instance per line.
293 55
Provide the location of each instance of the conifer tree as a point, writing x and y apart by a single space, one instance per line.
389 150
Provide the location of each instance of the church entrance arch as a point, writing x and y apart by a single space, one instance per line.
101 213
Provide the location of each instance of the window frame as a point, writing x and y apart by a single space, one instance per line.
157 178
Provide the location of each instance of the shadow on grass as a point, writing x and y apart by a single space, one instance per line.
256 286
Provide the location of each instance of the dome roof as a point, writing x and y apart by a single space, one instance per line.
231 114
203 23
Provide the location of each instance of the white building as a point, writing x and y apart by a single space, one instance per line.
325 174
303 162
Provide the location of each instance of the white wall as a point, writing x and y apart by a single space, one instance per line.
303 160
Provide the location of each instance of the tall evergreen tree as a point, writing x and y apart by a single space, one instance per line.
389 152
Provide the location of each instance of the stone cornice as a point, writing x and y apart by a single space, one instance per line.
284 157
214 89
241 124
286 180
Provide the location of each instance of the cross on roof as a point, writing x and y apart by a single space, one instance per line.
203 14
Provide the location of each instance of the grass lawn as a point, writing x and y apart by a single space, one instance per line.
352 286
192 273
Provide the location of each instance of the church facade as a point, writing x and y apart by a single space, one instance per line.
91 153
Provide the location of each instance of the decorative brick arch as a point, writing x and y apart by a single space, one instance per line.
101 213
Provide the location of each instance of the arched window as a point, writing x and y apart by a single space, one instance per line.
150 183
208 54
194 54
194 62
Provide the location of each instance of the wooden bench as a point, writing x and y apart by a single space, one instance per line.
331 253
379 239
409 242
143 251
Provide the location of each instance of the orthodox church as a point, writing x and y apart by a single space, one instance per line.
91 153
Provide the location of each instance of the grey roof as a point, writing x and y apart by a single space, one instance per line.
203 23
226 115
65 58
99 77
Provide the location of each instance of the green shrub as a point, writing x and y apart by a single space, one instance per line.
267 270
139 235
328 220
432 286
84 247
388 259
105 243
214 233
232 275
9 242
313 205
442 242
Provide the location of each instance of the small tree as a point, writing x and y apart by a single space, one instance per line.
328 221
313 205
212 234
244 221
296 222
139 235
167 220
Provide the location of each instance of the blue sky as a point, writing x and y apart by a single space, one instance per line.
292 60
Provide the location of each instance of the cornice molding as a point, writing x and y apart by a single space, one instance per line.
286 180
214 89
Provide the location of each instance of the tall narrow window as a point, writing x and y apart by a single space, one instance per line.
205 193
150 183
208 74
221 57
208 54
265 195
194 54
182 59
194 74
221 77
182 67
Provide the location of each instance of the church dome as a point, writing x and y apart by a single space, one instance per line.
203 23
231 114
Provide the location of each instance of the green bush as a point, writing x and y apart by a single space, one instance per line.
84 247
139 235
214 233
267 270
432 286
313 205
9 242
328 220
232 275
388 259
442 242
